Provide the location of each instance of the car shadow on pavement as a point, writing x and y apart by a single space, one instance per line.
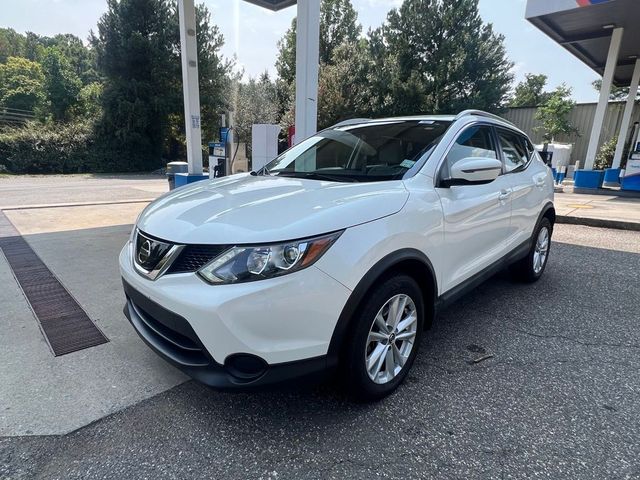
513 380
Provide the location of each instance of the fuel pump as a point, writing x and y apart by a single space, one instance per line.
631 179
219 155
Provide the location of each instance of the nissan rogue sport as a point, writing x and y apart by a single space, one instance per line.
337 255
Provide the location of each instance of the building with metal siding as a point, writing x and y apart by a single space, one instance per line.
581 117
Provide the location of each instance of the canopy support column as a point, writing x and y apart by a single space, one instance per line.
307 65
190 87
605 91
628 113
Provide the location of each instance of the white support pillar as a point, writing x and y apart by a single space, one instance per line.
626 118
605 91
307 64
190 87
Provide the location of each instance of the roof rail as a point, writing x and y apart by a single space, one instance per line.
481 113
351 121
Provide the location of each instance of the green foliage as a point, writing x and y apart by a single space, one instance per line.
21 84
47 148
530 92
446 59
338 26
89 104
604 158
12 44
256 102
430 56
554 114
617 93
62 85
135 55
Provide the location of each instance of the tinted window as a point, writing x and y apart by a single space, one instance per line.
472 142
514 148
370 151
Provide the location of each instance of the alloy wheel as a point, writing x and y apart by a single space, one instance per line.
541 250
391 339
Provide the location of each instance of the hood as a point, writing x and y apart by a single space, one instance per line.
244 209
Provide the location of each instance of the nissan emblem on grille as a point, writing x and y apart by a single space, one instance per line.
150 252
145 252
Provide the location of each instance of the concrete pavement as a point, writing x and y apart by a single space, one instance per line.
598 210
42 394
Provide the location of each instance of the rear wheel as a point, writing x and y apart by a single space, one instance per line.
387 333
531 267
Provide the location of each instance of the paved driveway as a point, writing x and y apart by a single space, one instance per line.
559 397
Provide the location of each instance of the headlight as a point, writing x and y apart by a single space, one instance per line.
248 263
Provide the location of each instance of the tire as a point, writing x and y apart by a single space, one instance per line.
364 349
530 268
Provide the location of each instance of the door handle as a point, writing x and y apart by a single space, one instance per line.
540 182
504 195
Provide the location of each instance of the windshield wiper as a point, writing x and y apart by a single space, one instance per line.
319 176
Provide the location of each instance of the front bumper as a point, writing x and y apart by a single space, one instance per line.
171 337
286 323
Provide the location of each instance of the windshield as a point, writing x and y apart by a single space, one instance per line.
365 152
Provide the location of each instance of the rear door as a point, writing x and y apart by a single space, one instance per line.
477 217
527 180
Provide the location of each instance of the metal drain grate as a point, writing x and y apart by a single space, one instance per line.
64 323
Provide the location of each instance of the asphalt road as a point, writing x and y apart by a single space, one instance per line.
558 396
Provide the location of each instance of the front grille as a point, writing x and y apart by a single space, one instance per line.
149 252
194 257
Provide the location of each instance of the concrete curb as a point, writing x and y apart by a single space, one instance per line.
597 222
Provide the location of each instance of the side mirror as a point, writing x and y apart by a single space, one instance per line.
474 171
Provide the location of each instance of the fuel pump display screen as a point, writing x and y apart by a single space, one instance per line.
218 151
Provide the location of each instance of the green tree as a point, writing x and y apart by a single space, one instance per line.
12 44
89 104
256 102
213 73
338 25
77 54
530 92
21 84
62 85
136 56
445 58
343 91
554 114
604 158
617 93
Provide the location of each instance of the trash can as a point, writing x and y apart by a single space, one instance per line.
172 169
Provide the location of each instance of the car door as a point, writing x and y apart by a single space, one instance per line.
476 217
527 180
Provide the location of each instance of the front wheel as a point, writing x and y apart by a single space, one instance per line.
387 333
531 267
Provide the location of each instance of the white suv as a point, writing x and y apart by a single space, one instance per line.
337 255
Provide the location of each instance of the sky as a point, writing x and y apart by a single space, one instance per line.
251 33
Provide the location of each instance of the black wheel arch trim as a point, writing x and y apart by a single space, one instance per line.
383 266
549 207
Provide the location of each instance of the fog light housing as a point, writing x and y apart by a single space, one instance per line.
245 367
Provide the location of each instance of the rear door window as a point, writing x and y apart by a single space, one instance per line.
514 150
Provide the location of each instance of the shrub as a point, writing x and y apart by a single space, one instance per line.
47 148
604 158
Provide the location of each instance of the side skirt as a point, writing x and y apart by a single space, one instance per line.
479 278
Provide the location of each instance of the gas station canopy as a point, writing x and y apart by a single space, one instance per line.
584 27
273 4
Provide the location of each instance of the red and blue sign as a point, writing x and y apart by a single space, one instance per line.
585 3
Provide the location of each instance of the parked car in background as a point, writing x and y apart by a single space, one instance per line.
338 254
